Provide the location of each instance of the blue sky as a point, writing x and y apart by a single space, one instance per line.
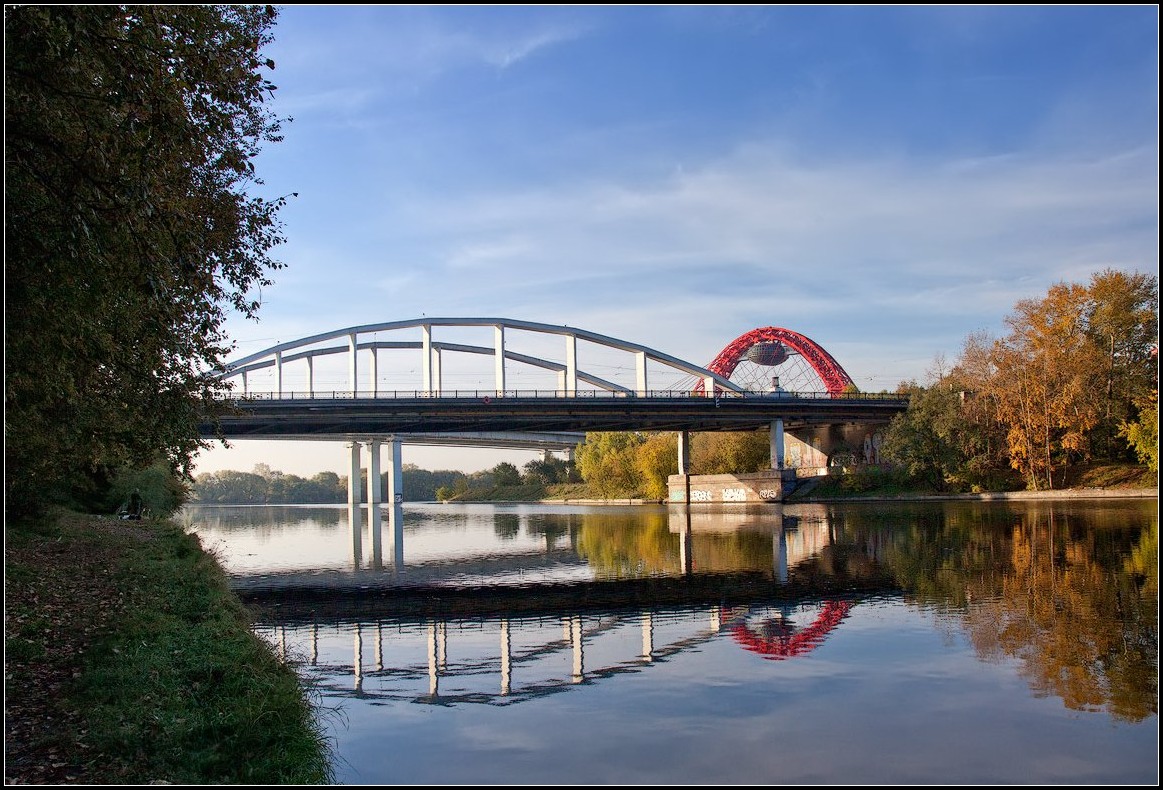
885 180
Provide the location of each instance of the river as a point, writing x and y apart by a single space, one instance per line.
863 643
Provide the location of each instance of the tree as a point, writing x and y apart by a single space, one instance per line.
1143 434
657 460
730 452
548 471
1122 318
608 462
922 440
1043 383
129 138
505 474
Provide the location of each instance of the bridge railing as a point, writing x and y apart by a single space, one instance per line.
489 395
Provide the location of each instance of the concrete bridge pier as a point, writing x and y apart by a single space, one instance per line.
374 517
354 477
777 444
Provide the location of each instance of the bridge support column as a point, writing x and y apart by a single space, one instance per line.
374 482
684 452
395 474
684 462
777 444
374 517
354 489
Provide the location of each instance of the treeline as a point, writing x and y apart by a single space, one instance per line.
1075 379
264 485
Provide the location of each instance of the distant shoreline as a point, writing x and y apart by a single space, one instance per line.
987 496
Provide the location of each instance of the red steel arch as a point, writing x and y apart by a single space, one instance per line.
777 648
835 378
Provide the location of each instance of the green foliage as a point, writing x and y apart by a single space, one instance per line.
923 440
265 486
730 452
550 471
608 462
423 485
129 138
161 491
1143 434
505 474
657 460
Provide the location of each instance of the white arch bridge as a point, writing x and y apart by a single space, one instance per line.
499 382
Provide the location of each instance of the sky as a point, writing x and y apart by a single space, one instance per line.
886 180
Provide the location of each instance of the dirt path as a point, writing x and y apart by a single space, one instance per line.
59 597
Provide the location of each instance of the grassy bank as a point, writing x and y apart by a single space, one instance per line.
526 492
875 482
129 661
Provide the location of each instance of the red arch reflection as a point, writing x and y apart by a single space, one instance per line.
789 645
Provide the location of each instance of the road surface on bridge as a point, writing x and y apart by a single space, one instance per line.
321 417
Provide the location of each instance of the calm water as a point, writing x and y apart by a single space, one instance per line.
948 643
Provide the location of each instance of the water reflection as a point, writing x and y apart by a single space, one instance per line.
503 661
482 607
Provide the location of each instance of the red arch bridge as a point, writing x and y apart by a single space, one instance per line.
498 382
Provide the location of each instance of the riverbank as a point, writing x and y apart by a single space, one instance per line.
129 661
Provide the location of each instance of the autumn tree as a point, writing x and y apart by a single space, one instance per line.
130 134
1044 383
657 460
730 452
1068 373
608 462
1122 319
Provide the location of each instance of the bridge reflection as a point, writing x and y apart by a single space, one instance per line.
398 632
503 660
377 556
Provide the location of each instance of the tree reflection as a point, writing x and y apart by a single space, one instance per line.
629 546
1072 598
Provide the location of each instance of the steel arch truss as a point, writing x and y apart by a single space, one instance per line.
835 378
361 346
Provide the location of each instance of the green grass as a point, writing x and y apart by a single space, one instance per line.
174 686
530 492
873 482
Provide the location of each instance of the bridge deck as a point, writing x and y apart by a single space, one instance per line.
412 413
